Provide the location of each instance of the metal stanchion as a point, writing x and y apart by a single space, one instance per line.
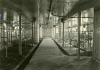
63 35
32 33
20 40
79 23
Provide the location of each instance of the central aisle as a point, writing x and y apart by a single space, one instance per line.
47 57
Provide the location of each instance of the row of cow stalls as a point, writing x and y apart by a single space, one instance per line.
20 32
9 30
71 31
86 30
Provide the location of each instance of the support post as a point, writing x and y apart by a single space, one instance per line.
11 37
1 18
7 43
79 23
88 41
7 31
59 30
39 18
55 32
63 26
55 28
20 43
39 32
32 34
34 31
63 35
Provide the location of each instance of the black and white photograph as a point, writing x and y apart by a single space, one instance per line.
49 34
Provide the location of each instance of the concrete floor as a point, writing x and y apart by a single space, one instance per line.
49 57
71 50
